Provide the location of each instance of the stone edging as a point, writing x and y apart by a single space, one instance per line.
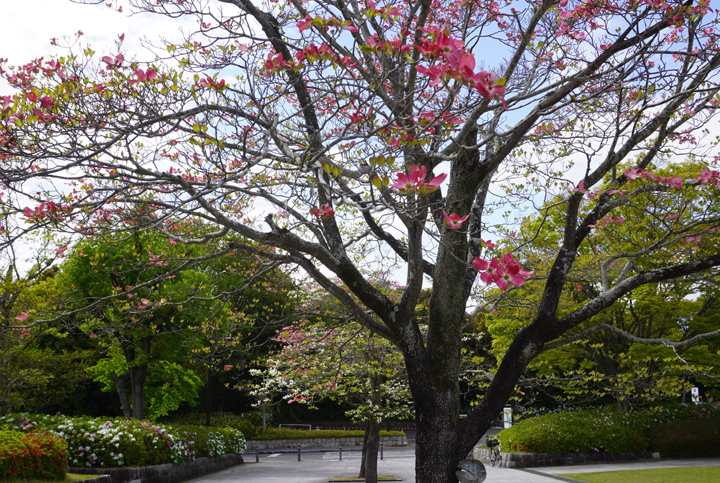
321 442
99 479
529 460
165 473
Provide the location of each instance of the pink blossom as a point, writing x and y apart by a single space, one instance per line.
454 220
493 271
23 316
633 173
488 244
46 102
324 212
112 63
410 182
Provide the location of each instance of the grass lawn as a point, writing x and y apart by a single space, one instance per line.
707 474
69 478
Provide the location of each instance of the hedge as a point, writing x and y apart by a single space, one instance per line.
595 430
39 455
249 424
698 438
287 433
120 442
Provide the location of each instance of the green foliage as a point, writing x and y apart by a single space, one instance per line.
345 363
286 433
32 455
699 438
33 375
211 442
108 443
249 424
168 383
595 430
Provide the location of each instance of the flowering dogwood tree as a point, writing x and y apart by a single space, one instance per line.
397 133
363 371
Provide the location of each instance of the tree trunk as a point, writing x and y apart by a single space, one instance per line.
370 451
138 370
121 386
436 437
137 383
364 450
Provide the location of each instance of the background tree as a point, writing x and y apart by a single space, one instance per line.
328 357
157 319
323 103
33 373
615 364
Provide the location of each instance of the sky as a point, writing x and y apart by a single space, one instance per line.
29 25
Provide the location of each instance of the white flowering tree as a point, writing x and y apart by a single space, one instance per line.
343 363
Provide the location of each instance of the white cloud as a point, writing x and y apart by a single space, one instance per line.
29 25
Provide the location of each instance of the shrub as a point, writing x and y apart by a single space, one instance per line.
249 424
595 430
699 438
32 455
287 433
106 443
211 442
586 432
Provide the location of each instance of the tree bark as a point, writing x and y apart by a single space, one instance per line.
121 386
436 438
138 369
364 450
370 451
137 383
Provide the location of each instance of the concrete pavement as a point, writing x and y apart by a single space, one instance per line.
317 465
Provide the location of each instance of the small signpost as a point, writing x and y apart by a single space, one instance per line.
507 417
470 471
695 395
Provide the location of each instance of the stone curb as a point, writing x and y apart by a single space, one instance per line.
99 479
530 460
165 473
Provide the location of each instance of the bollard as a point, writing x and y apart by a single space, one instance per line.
298 452
340 453
381 451
257 455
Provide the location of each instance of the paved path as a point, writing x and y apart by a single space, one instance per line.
318 466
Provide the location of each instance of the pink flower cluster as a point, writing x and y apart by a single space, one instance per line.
502 272
142 76
415 181
607 220
324 212
451 61
46 212
210 82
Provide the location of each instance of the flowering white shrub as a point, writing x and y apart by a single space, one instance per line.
119 442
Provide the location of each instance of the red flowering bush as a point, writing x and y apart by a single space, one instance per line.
32 455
